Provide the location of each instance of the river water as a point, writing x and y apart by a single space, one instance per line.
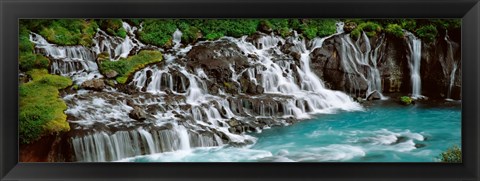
383 132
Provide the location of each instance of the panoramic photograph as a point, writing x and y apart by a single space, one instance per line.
240 90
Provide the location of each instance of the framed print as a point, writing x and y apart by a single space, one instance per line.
240 90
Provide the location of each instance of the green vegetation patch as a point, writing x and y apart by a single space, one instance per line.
125 67
452 155
427 32
406 100
27 59
113 27
370 28
64 31
395 30
41 109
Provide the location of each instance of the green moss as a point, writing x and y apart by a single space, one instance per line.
113 27
64 31
125 67
395 30
452 155
41 110
406 100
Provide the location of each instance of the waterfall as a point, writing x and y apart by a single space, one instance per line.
102 146
362 64
184 112
415 47
450 65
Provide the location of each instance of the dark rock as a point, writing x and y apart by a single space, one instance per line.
349 26
233 122
96 84
375 95
420 145
138 114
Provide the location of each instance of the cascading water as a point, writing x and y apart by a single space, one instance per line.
415 48
360 63
183 112
450 64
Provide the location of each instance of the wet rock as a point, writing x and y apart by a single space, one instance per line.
420 145
349 26
375 95
138 114
111 74
96 84
233 122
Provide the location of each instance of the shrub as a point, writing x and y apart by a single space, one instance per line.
127 66
395 30
41 110
427 33
370 28
312 28
406 100
452 155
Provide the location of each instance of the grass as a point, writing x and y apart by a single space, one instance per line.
452 155
41 109
125 67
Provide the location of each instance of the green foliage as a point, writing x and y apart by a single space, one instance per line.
395 30
113 27
64 31
41 110
452 155
370 28
427 33
127 66
134 22
312 28
27 59
158 31
406 100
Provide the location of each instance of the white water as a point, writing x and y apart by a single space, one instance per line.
362 64
415 47
450 60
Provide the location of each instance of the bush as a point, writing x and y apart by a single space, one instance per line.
406 100
126 67
427 33
395 30
113 27
452 155
41 110
312 28
370 28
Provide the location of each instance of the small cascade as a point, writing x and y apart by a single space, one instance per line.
75 61
415 47
361 63
102 146
117 47
177 38
450 65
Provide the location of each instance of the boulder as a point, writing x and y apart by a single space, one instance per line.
111 74
96 84
138 114
375 95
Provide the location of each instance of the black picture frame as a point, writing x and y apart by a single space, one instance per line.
11 11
